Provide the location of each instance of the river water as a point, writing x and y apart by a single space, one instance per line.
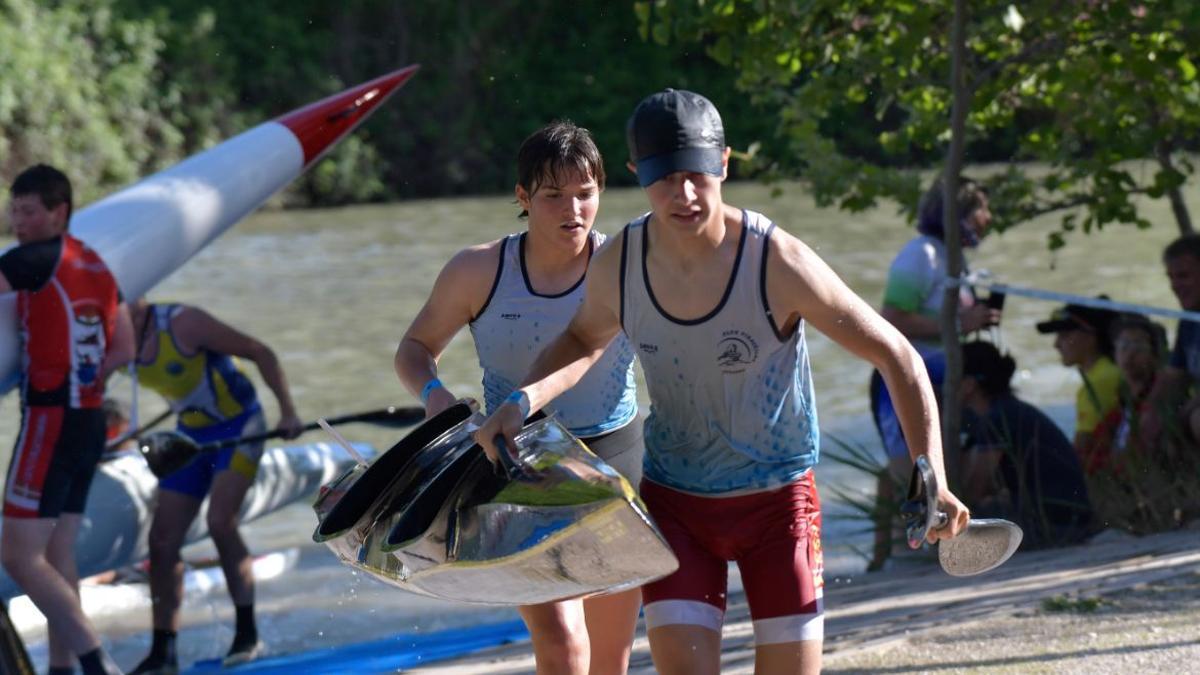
332 291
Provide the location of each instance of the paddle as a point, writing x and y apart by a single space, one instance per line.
984 545
168 451
159 419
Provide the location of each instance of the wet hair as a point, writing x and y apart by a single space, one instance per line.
931 208
1188 244
991 369
48 183
551 153
1151 329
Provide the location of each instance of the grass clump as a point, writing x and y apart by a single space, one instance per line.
1061 604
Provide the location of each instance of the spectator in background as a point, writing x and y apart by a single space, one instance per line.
1176 388
116 425
1141 350
1081 336
912 302
1017 464
1144 480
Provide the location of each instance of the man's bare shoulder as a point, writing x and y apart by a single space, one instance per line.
797 277
474 265
789 254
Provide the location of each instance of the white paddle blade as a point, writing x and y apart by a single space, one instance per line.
985 545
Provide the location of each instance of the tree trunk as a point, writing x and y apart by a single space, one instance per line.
1178 206
951 417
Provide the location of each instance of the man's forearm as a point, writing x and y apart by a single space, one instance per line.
916 408
272 374
558 368
414 365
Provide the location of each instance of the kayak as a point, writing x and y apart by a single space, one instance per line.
121 502
431 517
199 581
146 231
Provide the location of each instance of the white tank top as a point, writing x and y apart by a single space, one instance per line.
515 325
731 400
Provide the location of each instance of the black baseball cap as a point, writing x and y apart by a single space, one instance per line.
1079 317
675 130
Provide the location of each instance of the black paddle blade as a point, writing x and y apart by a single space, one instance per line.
362 495
167 452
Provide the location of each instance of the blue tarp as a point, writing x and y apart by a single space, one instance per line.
390 654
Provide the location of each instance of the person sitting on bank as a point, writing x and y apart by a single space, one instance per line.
118 440
187 356
1142 481
1081 336
912 302
1176 387
1141 351
1017 463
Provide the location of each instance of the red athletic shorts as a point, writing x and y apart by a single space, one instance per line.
775 539
54 461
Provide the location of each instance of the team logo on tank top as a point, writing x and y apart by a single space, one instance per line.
88 337
736 350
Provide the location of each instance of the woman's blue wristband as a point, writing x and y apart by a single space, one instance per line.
428 389
521 399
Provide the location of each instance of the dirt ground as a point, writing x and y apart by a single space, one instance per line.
1151 627
1118 604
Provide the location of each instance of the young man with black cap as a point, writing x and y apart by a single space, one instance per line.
715 300
1081 336
75 331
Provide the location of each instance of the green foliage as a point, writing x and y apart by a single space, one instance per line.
119 88
1067 604
1149 492
80 91
1090 88
868 514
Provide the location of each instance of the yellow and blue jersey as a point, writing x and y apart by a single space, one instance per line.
205 389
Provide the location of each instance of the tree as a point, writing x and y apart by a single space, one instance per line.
1102 95
64 65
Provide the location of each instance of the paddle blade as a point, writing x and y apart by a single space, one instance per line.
167 452
985 545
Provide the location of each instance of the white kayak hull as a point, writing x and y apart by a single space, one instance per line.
116 599
121 502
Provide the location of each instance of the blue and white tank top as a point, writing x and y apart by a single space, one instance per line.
516 323
731 400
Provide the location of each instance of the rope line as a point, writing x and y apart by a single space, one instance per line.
981 279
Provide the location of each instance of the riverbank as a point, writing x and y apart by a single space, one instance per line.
1113 605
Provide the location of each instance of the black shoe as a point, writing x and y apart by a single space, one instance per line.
152 665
